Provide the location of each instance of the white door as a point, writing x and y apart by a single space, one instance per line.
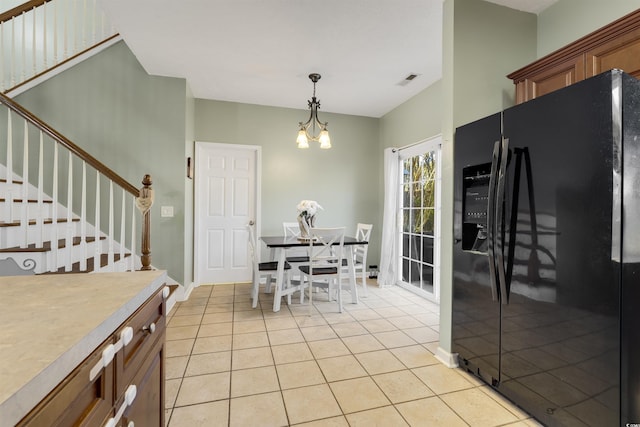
225 202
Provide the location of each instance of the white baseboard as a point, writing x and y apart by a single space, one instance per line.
183 292
450 360
171 302
180 294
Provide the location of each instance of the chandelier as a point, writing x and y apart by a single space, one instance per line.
313 124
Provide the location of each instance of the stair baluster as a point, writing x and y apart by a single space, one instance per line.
24 217
110 252
96 224
40 215
123 221
68 236
8 214
83 220
134 215
31 37
53 237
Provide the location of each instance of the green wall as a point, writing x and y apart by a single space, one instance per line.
343 179
568 20
189 149
415 120
483 42
133 123
490 41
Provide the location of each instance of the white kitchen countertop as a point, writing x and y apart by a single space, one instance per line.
50 323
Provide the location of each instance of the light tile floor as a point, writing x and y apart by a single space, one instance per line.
372 365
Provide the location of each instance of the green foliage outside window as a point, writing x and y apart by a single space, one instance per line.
419 174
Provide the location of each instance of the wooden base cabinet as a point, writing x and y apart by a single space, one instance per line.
150 395
616 45
128 391
78 400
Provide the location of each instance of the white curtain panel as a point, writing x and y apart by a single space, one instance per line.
388 273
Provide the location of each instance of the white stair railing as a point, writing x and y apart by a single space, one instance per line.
68 183
41 34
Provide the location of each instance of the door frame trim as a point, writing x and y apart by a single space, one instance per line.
257 150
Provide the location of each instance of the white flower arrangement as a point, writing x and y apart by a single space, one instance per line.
308 208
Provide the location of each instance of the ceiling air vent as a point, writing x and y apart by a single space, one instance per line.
408 79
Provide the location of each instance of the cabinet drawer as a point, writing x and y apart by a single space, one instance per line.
148 324
77 400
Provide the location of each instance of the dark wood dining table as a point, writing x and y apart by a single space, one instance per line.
279 245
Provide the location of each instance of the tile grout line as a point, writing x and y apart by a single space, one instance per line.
173 406
275 368
332 326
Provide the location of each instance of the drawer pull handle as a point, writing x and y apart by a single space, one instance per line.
165 292
129 397
149 329
109 353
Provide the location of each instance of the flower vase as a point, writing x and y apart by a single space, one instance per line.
306 223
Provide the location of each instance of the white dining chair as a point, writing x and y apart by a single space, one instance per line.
323 269
291 229
363 233
295 256
298 255
268 270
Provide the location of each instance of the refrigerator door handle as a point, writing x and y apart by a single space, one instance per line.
491 206
499 221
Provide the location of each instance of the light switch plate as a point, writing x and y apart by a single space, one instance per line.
166 211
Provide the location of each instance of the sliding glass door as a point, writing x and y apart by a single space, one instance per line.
419 231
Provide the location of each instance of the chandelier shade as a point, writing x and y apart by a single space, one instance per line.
308 129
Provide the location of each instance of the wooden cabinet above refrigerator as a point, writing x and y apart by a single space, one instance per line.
616 45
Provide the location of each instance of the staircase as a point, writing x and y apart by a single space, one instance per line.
45 251
61 210
73 213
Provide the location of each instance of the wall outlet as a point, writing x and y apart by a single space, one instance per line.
166 211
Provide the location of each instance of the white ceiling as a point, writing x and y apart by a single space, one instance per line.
261 51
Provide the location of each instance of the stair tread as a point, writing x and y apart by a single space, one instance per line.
75 267
46 246
13 181
33 222
28 200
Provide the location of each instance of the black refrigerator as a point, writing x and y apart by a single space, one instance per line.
546 267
